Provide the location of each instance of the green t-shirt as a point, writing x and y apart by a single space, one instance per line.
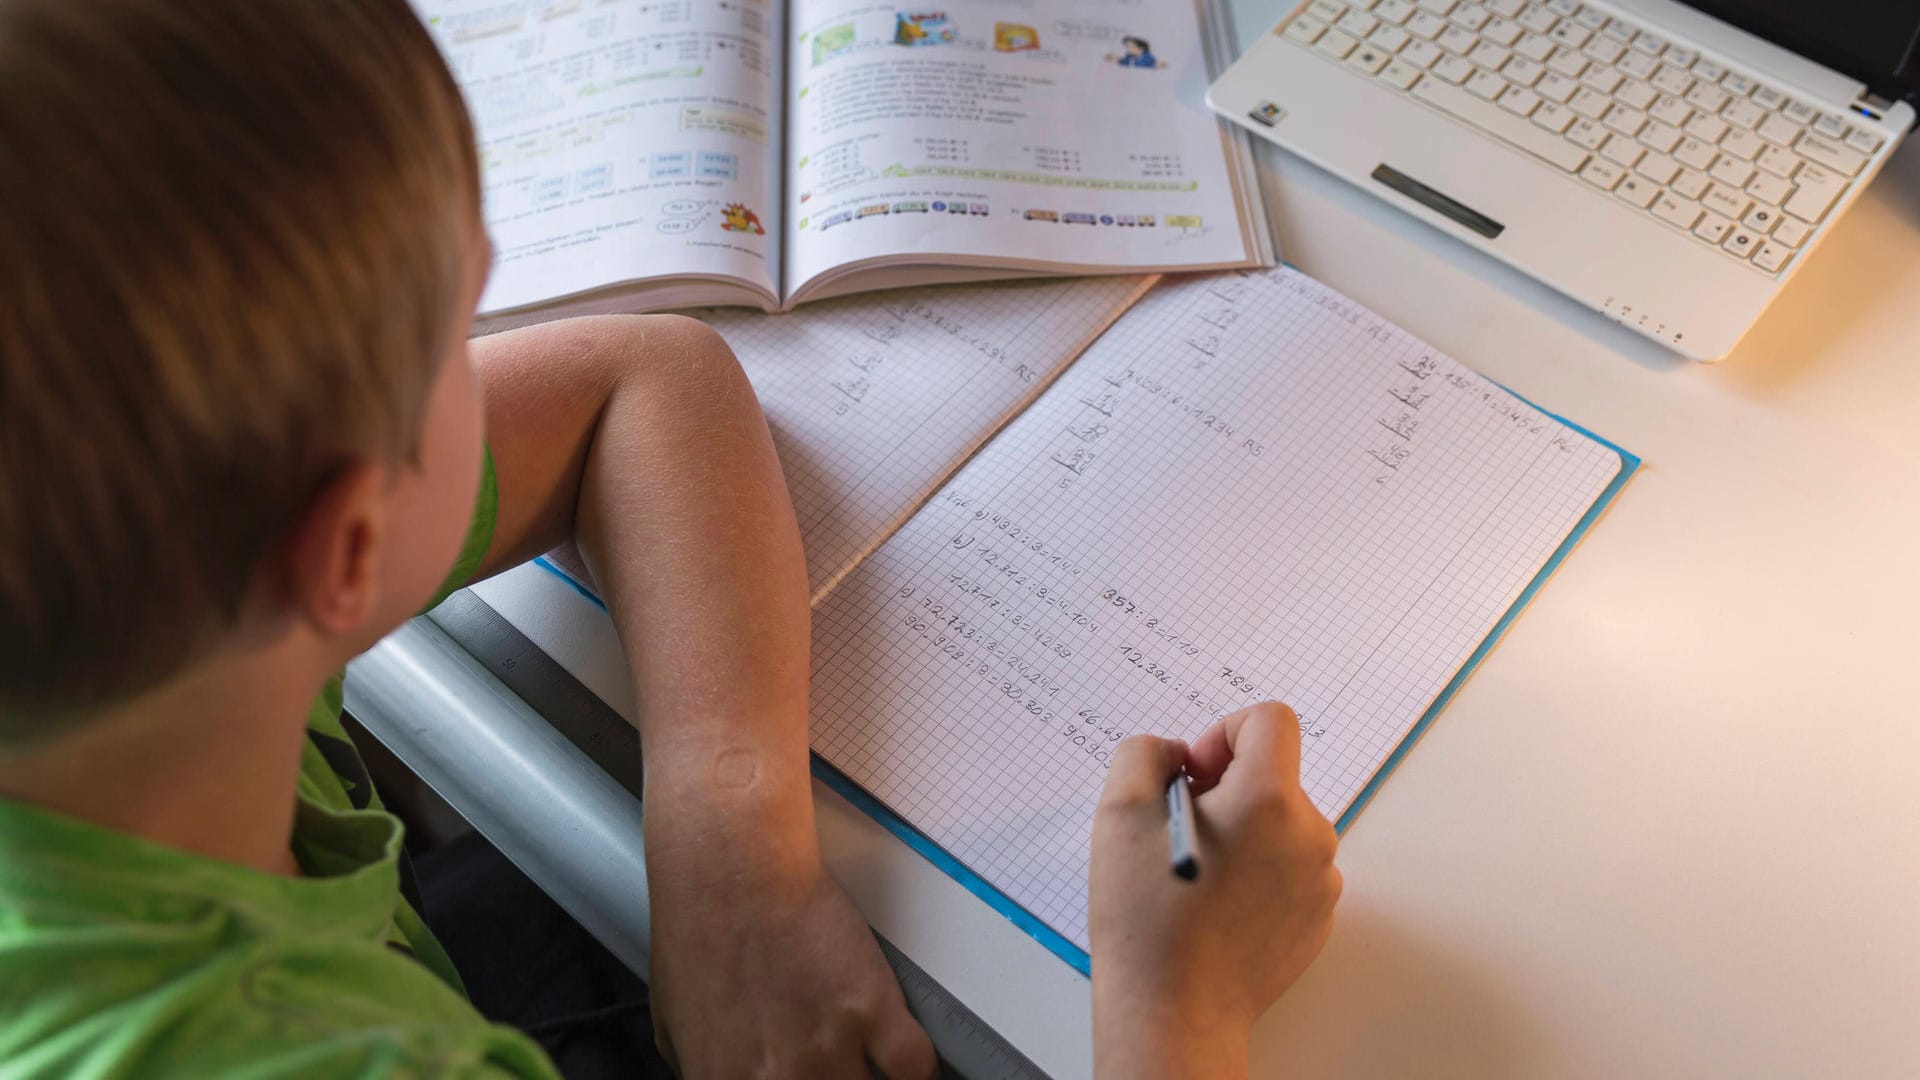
125 958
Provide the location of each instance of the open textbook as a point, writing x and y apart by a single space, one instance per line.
642 155
1246 487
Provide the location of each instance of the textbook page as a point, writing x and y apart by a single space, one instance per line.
1049 135
1250 488
873 401
621 141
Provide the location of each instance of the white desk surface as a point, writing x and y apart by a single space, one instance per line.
1672 827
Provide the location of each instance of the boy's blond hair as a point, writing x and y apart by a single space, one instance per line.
232 234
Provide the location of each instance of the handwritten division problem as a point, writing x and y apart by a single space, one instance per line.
1250 488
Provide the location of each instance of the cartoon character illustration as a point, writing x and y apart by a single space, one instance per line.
737 218
1013 37
1138 54
925 28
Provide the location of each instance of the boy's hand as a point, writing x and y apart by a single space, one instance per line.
762 971
1182 969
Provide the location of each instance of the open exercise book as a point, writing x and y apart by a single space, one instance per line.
1247 487
650 154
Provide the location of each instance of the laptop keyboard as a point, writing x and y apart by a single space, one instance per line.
1713 152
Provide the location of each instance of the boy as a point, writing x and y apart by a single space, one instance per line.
241 438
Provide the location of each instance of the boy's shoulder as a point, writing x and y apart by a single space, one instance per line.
122 956
119 955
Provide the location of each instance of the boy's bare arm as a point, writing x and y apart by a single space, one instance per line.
641 437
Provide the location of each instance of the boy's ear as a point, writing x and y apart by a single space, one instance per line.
333 558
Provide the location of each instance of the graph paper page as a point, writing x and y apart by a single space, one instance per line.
1249 488
873 400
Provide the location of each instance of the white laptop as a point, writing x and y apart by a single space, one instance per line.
1670 165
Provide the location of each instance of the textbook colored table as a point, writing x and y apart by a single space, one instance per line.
1669 829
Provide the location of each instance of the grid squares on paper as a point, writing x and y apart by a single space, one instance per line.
1249 488
874 399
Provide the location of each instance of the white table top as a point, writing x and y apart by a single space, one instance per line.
1672 827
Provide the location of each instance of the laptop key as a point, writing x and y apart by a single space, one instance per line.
1519 101
1637 191
1588 134
1790 231
1690 184
1707 129
1555 118
1814 192
1863 140
1425 25
1731 171
1336 44
1672 111
1769 188
1658 168
1727 201
1674 210
1626 121
1589 104
1834 156
1742 144
1779 130
1637 95
1399 73
1772 257
1368 58
1469 16
1453 69
1535 48
1556 87
1706 98
1486 85
1712 228
1521 71
1538 20
1390 37
1357 23
1661 138
1306 29
1779 161
1602 80
1622 151
1421 54
1602 174
1762 219
1503 32
1831 126
1695 154
1741 242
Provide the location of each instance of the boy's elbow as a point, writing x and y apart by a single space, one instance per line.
681 361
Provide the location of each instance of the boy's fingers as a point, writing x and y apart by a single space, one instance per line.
1264 736
1142 767
900 1049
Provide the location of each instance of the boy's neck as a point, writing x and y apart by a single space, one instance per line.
208 762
